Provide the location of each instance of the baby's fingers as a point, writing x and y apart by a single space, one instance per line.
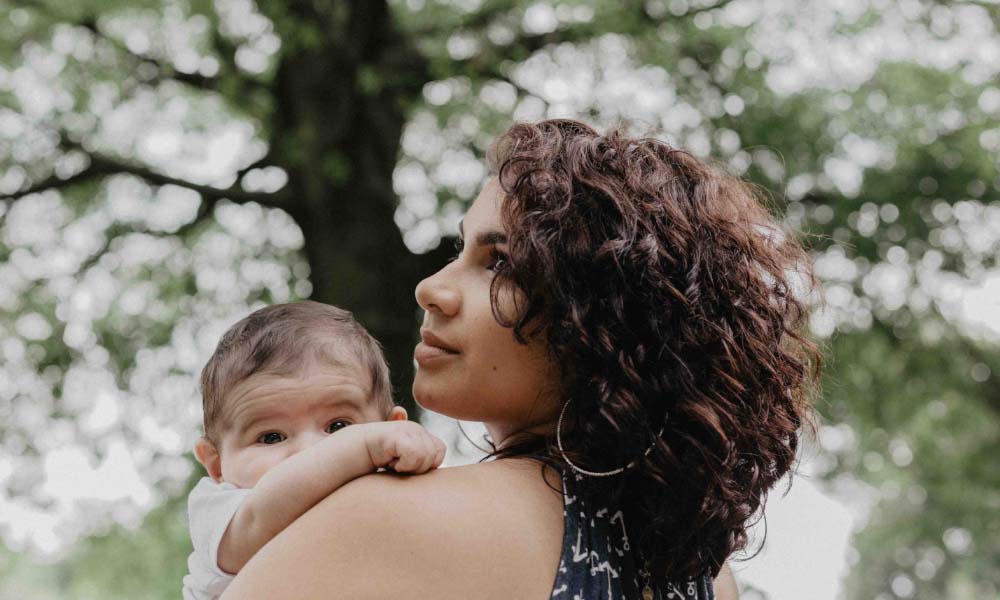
427 453
440 449
418 454
433 452
409 451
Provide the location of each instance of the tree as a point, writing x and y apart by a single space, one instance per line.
354 136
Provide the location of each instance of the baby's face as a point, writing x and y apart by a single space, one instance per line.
270 418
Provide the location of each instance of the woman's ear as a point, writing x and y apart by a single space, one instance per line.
209 457
398 413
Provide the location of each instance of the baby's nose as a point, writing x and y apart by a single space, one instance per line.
307 439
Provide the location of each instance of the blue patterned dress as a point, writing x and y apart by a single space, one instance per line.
598 563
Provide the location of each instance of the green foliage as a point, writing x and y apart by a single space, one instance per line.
119 564
893 173
146 563
926 434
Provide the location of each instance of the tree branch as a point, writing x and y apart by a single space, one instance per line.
690 13
54 182
119 230
101 165
478 20
585 31
210 194
164 70
991 7
527 44
257 164
90 24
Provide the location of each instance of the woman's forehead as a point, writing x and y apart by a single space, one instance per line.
484 214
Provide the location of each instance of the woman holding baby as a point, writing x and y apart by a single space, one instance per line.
627 323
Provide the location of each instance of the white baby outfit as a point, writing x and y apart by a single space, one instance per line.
211 507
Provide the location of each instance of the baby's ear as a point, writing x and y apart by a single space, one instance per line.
209 457
398 413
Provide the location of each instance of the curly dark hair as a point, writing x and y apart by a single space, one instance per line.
672 299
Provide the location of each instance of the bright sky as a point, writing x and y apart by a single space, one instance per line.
807 546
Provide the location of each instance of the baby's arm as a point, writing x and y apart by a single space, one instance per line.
296 484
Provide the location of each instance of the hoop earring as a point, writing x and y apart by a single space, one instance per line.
562 452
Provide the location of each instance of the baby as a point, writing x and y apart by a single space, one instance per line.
280 382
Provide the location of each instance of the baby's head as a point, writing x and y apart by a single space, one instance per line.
281 380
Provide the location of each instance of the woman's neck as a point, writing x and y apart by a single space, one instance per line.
505 436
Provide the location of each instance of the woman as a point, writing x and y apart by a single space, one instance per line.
627 324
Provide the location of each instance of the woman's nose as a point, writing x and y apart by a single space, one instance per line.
438 293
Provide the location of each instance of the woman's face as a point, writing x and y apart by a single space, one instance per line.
468 366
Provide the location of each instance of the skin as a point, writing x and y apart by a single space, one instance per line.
303 409
280 444
516 384
490 530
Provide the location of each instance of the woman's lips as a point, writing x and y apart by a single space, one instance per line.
424 353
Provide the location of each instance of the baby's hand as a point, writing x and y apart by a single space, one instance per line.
403 446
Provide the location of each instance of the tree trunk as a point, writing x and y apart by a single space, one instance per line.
340 107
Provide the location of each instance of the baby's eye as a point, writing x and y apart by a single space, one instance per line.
271 437
336 426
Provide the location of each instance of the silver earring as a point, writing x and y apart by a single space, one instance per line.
562 452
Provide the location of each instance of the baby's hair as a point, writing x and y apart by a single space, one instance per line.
282 340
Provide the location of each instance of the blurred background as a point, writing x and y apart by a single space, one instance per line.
168 165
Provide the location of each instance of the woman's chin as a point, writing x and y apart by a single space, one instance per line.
426 394
437 397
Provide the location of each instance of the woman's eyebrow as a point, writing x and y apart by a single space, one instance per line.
491 238
486 238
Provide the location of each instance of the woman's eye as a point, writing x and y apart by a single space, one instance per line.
271 437
459 244
336 426
498 260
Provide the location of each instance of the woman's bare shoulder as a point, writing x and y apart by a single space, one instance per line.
484 488
482 497
385 535
478 490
